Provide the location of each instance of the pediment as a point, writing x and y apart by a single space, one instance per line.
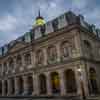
17 46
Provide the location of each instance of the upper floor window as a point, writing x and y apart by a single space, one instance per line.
19 61
5 68
40 57
65 50
11 64
27 59
52 54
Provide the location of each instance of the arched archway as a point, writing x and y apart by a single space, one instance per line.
70 81
0 87
20 85
55 82
30 84
42 84
93 81
12 86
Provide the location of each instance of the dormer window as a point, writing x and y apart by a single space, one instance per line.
55 24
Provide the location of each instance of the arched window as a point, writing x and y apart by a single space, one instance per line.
88 48
93 81
65 50
5 68
40 57
42 84
11 64
30 84
70 81
27 59
55 82
20 85
0 87
52 54
5 87
19 61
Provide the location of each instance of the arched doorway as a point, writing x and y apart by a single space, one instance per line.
20 85
70 81
5 87
30 84
93 81
55 83
0 87
42 84
12 86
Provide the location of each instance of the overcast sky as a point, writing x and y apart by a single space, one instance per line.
18 16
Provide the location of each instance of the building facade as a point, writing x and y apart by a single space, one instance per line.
60 57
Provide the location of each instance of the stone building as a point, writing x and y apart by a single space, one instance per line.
60 57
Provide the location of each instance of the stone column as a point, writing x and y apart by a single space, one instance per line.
81 81
62 83
36 85
23 63
32 58
49 88
15 65
58 52
45 56
3 88
9 86
25 83
78 82
16 86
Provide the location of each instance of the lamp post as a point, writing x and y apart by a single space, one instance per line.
81 82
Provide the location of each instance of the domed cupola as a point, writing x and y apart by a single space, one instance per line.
39 20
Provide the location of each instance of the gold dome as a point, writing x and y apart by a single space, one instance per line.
39 20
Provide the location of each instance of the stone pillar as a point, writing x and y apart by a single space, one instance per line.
58 52
49 88
15 65
62 83
9 86
85 80
16 86
3 88
32 58
25 83
82 84
36 85
45 56
23 63
78 82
